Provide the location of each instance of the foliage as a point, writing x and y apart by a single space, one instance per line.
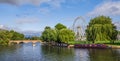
16 35
101 29
118 32
66 35
35 38
59 34
4 43
49 34
60 26
6 36
32 38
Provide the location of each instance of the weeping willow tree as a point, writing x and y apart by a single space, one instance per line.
101 29
66 35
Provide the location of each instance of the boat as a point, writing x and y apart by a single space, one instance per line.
90 46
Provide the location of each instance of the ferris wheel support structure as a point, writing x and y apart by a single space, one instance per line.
79 29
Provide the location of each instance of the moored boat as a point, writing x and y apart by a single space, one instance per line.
90 46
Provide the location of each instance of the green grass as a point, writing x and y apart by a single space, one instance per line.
79 42
102 42
117 42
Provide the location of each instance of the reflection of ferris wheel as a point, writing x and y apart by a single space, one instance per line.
79 28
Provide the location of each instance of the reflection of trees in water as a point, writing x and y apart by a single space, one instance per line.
52 53
116 53
104 55
8 49
6 52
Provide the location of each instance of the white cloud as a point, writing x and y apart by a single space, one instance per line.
27 20
26 33
56 3
106 8
4 27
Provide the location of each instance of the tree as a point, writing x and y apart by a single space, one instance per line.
49 34
6 36
101 29
60 26
47 27
59 34
66 35
16 35
53 35
34 38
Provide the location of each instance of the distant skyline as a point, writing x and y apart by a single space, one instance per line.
34 15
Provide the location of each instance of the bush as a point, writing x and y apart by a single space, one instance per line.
4 43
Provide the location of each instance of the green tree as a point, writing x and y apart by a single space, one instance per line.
53 35
47 27
4 37
46 34
60 26
16 35
49 34
101 29
59 34
35 38
66 35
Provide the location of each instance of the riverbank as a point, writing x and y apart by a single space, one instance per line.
109 44
94 46
114 46
84 44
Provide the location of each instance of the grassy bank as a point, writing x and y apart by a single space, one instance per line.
79 42
117 42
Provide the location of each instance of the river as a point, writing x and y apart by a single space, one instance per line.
28 52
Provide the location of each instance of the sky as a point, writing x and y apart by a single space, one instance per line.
34 15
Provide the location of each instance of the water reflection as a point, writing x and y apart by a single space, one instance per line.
81 55
57 54
28 52
104 55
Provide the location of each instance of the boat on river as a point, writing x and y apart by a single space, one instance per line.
90 46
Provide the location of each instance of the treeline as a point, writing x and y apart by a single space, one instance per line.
59 34
6 36
32 38
99 29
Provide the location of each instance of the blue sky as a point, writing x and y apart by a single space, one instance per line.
34 15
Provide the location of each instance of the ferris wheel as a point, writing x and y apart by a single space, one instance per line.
79 28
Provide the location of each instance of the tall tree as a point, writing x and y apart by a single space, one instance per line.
46 34
49 34
101 29
66 35
6 36
60 26
59 34
16 35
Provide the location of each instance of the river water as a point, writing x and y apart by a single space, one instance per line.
28 52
